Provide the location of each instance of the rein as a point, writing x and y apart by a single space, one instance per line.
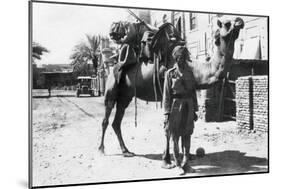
127 53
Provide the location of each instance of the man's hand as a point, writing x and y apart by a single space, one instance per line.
195 117
166 119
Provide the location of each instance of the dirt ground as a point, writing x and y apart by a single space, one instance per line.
67 131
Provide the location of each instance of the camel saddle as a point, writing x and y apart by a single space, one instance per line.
151 43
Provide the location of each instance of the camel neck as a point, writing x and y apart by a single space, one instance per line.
207 73
182 68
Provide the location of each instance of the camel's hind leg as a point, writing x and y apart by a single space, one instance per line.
122 104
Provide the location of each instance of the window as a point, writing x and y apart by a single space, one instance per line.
192 21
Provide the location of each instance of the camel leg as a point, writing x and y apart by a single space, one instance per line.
120 111
186 147
166 159
109 102
108 108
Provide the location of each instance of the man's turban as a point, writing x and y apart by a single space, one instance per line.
180 51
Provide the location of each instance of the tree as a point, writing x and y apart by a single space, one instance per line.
37 51
85 52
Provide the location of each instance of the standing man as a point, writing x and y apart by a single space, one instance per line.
180 105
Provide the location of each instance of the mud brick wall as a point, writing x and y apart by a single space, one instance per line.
252 103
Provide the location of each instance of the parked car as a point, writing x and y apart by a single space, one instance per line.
85 86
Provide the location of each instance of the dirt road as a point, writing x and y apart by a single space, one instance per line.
67 130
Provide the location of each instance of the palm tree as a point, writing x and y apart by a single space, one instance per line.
80 57
37 51
85 52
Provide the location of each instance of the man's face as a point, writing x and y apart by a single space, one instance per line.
181 59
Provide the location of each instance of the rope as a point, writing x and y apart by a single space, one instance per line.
158 78
154 81
135 93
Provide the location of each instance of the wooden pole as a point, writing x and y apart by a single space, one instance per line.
183 26
173 17
221 99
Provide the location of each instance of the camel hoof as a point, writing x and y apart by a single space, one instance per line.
101 151
167 165
188 169
128 154
191 157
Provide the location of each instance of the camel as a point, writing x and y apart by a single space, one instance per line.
138 80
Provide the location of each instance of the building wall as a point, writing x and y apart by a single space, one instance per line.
255 28
199 39
157 17
252 103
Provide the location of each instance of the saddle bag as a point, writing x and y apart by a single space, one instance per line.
146 50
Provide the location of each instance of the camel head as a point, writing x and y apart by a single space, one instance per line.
226 34
117 31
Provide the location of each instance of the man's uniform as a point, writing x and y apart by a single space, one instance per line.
179 99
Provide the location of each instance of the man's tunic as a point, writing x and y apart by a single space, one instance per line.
179 100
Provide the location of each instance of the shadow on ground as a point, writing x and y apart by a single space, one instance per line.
223 162
47 96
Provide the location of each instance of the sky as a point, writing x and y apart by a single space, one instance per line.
60 27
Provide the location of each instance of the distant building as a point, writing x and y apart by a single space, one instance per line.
57 68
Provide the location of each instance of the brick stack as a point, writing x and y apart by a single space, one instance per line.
252 102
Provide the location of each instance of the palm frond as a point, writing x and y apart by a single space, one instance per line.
84 52
94 42
36 56
38 50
